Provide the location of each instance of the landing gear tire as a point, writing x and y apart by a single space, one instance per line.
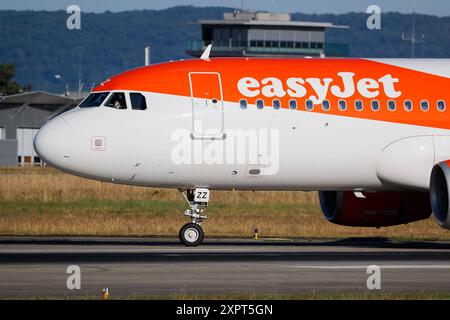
191 235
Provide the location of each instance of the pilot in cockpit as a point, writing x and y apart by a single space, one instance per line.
117 104
117 101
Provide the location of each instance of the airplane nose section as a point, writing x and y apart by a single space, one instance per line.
53 142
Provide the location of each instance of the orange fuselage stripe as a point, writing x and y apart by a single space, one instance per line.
173 79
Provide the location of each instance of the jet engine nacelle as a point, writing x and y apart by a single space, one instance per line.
439 193
377 209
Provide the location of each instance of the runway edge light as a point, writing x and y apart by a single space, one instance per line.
256 234
105 293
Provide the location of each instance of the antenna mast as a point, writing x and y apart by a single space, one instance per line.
413 39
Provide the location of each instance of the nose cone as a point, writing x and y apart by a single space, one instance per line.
53 142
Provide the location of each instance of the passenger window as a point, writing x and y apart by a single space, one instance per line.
259 104
243 104
375 105
117 101
276 104
441 105
309 105
138 101
293 104
342 105
424 105
408 105
391 105
358 105
326 105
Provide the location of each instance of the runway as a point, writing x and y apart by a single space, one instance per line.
134 267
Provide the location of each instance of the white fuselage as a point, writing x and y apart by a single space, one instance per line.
316 151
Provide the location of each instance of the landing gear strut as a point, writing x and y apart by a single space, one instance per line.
191 234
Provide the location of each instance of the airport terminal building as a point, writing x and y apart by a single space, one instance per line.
247 34
21 116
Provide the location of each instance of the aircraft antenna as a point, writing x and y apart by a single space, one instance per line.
206 53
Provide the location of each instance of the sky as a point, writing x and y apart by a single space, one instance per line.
433 7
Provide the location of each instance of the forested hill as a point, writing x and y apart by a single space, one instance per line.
40 45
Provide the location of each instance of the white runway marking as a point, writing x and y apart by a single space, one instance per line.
392 266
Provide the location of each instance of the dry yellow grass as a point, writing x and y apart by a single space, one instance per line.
43 201
46 184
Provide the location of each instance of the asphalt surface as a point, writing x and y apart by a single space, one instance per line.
132 267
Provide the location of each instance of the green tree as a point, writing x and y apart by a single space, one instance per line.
7 84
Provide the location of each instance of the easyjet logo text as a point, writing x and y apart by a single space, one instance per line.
344 86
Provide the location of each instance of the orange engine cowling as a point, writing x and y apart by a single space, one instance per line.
377 209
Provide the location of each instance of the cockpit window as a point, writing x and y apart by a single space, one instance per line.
137 101
117 101
94 100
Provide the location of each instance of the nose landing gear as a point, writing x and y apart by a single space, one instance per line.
191 234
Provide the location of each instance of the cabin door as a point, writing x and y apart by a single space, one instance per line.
207 105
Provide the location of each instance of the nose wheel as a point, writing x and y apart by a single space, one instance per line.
191 234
